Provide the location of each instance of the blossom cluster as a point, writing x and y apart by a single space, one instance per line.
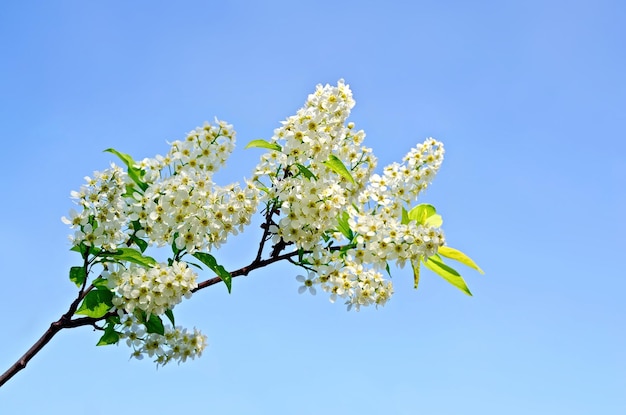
179 202
204 149
395 241
165 200
402 183
321 196
311 195
349 279
176 344
182 204
102 220
190 211
153 290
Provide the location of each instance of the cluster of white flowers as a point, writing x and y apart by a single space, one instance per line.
163 200
204 149
189 210
381 240
176 344
102 220
311 195
153 290
321 195
182 204
404 182
382 237
347 278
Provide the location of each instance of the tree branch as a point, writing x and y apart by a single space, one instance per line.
256 264
65 322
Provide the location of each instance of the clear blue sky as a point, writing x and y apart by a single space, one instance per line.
529 98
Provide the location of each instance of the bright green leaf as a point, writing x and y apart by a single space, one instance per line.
132 255
306 172
405 216
336 165
96 303
130 190
110 336
421 212
434 221
221 272
133 172
343 226
83 249
127 159
154 324
78 275
101 283
447 273
263 144
416 271
459 256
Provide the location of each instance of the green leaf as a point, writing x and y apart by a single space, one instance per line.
131 255
78 275
421 212
83 249
133 172
114 319
387 268
143 245
344 249
193 264
96 303
126 159
154 324
405 216
459 256
306 172
170 316
434 221
336 165
416 271
175 249
447 273
263 144
343 226
221 272
110 336
300 255
101 283
130 190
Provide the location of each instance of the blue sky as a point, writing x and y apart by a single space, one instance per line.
528 97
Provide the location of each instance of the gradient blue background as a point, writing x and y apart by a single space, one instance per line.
529 98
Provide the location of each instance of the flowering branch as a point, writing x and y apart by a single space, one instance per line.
346 225
66 321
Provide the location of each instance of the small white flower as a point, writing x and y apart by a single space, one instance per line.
307 283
